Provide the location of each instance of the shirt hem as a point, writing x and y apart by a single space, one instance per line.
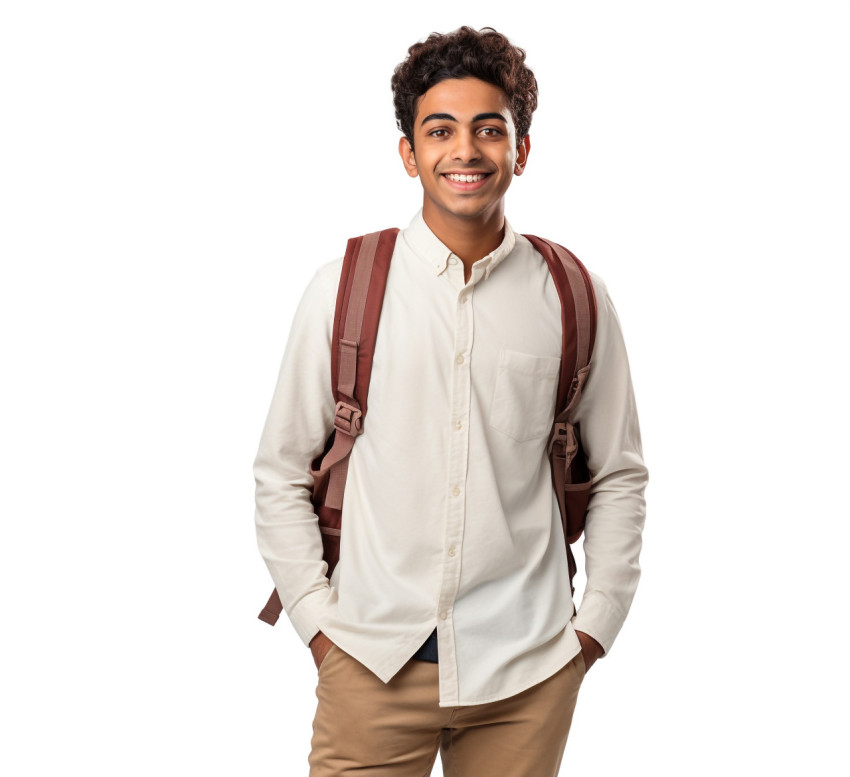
384 670
545 675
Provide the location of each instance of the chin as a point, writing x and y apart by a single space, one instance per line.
468 211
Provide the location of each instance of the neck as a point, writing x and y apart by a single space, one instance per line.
469 239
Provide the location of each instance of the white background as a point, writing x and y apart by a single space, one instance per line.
172 174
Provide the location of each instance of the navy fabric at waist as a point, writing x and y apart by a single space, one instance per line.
428 651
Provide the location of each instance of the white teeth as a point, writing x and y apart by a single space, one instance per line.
465 178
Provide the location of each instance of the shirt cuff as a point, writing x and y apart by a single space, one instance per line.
599 619
305 615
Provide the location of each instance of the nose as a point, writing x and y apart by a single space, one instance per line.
465 148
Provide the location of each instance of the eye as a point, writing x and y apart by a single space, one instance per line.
436 133
491 131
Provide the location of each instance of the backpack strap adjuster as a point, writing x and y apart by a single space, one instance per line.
348 419
563 442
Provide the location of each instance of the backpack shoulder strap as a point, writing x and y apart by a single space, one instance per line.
358 309
578 319
570 476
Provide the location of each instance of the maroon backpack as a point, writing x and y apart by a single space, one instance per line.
358 309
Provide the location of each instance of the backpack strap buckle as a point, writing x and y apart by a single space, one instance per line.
564 441
348 419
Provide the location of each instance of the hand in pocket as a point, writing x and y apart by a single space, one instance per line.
320 645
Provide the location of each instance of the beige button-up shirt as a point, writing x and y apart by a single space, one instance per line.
450 518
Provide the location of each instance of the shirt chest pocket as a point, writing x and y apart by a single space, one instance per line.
524 394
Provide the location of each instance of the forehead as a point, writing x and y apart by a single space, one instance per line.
463 98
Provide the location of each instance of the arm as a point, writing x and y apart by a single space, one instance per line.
298 423
608 424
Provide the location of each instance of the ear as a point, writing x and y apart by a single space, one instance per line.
522 152
405 151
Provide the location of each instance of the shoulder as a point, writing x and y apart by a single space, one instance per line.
318 299
330 271
326 279
600 289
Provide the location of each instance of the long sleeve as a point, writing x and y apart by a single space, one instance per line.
298 423
608 424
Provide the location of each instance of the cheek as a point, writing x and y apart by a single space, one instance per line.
506 162
427 160
506 158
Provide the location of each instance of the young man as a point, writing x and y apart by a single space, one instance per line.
447 625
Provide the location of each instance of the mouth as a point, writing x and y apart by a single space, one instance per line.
466 181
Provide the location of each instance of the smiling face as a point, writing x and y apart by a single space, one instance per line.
465 151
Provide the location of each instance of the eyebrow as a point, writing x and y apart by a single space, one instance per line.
449 117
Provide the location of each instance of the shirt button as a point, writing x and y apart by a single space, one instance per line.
456 491
452 260
459 425
444 615
459 359
452 550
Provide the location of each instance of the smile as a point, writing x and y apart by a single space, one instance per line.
466 178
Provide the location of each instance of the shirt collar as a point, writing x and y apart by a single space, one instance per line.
428 247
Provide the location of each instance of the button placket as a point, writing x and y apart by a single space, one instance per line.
458 466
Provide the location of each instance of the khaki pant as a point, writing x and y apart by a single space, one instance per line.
367 728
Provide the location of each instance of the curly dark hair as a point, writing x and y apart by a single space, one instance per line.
485 54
